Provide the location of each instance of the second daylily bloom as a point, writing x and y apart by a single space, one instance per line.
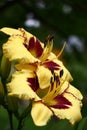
60 98
24 47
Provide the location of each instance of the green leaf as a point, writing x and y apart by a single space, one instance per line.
83 124
3 37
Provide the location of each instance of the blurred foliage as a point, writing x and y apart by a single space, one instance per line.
61 18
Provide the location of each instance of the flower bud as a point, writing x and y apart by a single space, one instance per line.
5 67
12 103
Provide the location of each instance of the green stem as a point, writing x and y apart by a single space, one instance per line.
20 124
10 120
23 116
5 105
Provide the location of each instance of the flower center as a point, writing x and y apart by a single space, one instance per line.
53 89
53 98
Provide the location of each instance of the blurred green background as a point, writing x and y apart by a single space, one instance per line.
67 21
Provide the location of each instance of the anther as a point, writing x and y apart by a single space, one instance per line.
52 71
61 73
49 38
51 80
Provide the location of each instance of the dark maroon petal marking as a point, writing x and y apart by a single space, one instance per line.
34 47
51 65
62 102
33 83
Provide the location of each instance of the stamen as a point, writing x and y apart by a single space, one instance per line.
47 49
58 88
61 50
51 80
48 39
52 71
53 88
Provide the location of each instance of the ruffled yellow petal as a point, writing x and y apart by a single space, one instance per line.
71 90
75 92
40 114
44 75
19 86
73 113
15 50
11 31
20 32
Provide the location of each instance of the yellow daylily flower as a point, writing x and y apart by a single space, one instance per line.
60 98
41 78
